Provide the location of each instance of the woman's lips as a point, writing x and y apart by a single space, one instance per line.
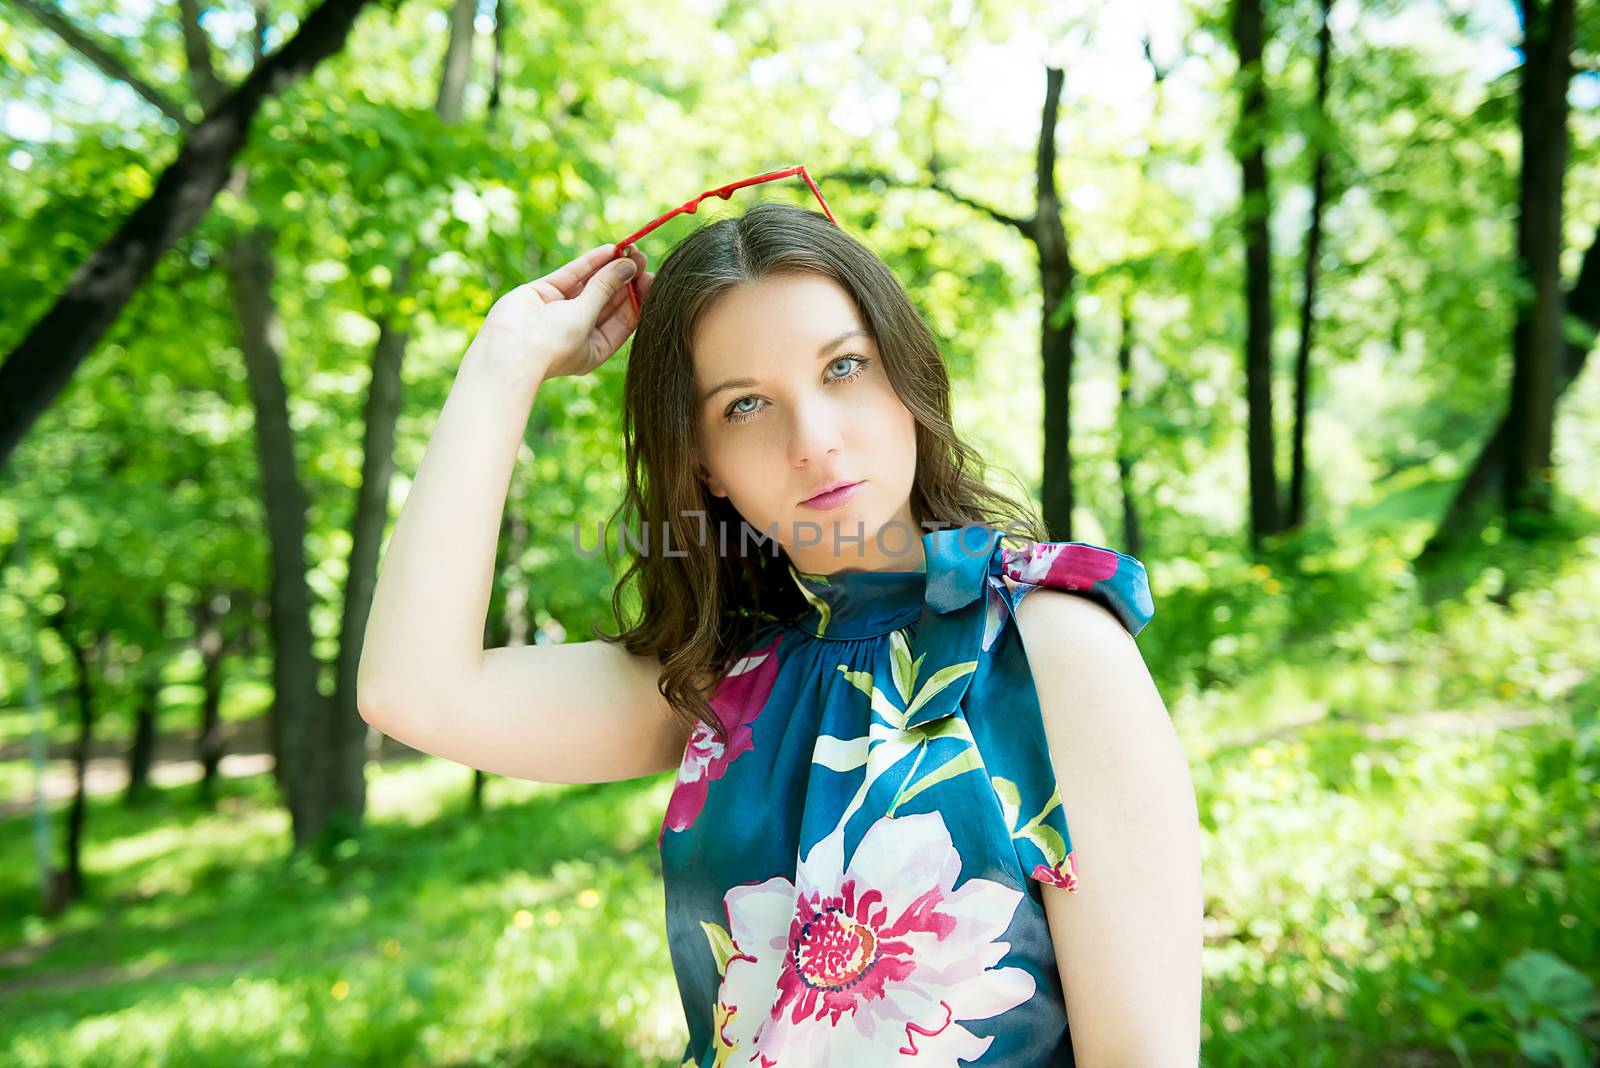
833 498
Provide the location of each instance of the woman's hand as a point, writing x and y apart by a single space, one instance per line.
567 323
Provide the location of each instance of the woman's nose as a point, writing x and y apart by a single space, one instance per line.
815 432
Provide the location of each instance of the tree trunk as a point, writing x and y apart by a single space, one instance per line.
348 731
1058 327
1249 35
68 885
1465 516
141 753
299 733
1308 298
510 627
209 642
71 873
1463 519
1132 537
1057 314
146 727
1538 342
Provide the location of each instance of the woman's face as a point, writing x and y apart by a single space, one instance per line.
791 397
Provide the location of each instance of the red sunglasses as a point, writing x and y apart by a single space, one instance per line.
724 192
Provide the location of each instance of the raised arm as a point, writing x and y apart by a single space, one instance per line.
580 712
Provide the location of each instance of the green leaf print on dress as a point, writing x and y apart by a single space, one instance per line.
888 740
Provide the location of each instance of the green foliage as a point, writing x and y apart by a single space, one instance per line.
1397 772
1540 1008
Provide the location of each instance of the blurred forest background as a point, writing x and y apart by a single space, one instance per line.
1313 285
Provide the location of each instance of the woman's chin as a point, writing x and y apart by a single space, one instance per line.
850 531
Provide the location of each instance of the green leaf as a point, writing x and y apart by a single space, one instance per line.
721 944
1010 800
820 605
861 680
967 760
1553 1042
840 754
905 673
1536 978
1055 799
941 678
1049 842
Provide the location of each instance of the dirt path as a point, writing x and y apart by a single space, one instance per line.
244 746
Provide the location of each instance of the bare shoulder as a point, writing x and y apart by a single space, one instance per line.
1061 620
1128 942
1093 684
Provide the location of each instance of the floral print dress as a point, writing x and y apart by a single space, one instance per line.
855 878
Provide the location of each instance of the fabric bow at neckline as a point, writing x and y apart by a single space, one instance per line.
957 603
961 563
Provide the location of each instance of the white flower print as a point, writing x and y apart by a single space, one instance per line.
866 963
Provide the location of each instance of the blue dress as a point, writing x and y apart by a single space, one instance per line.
855 877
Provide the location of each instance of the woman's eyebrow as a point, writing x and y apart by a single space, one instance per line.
830 345
827 347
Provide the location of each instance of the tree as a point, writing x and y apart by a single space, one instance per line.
1320 132
45 360
1248 26
1539 341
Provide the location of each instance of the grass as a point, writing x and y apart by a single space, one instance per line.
534 932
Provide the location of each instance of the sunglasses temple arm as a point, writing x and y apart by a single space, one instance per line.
724 192
818 193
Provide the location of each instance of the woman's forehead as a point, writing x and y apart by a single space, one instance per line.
773 325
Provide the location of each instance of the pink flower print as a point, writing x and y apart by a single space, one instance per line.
1066 565
867 963
1064 875
738 699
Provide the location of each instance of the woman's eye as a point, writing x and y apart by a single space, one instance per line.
856 362
736 413
854 366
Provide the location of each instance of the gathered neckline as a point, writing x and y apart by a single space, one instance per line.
856 604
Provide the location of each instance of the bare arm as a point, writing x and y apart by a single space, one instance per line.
1128 942
583 712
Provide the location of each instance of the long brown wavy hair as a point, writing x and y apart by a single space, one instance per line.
700 604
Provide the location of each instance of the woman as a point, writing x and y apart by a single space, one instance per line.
880 714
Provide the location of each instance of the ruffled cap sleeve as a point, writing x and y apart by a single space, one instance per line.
1114 579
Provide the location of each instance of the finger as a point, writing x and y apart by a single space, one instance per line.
619 305
610 307
644 276
642 283
616 300
616 320
622 303
603 286
615 327
621 298
614 331
570 277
